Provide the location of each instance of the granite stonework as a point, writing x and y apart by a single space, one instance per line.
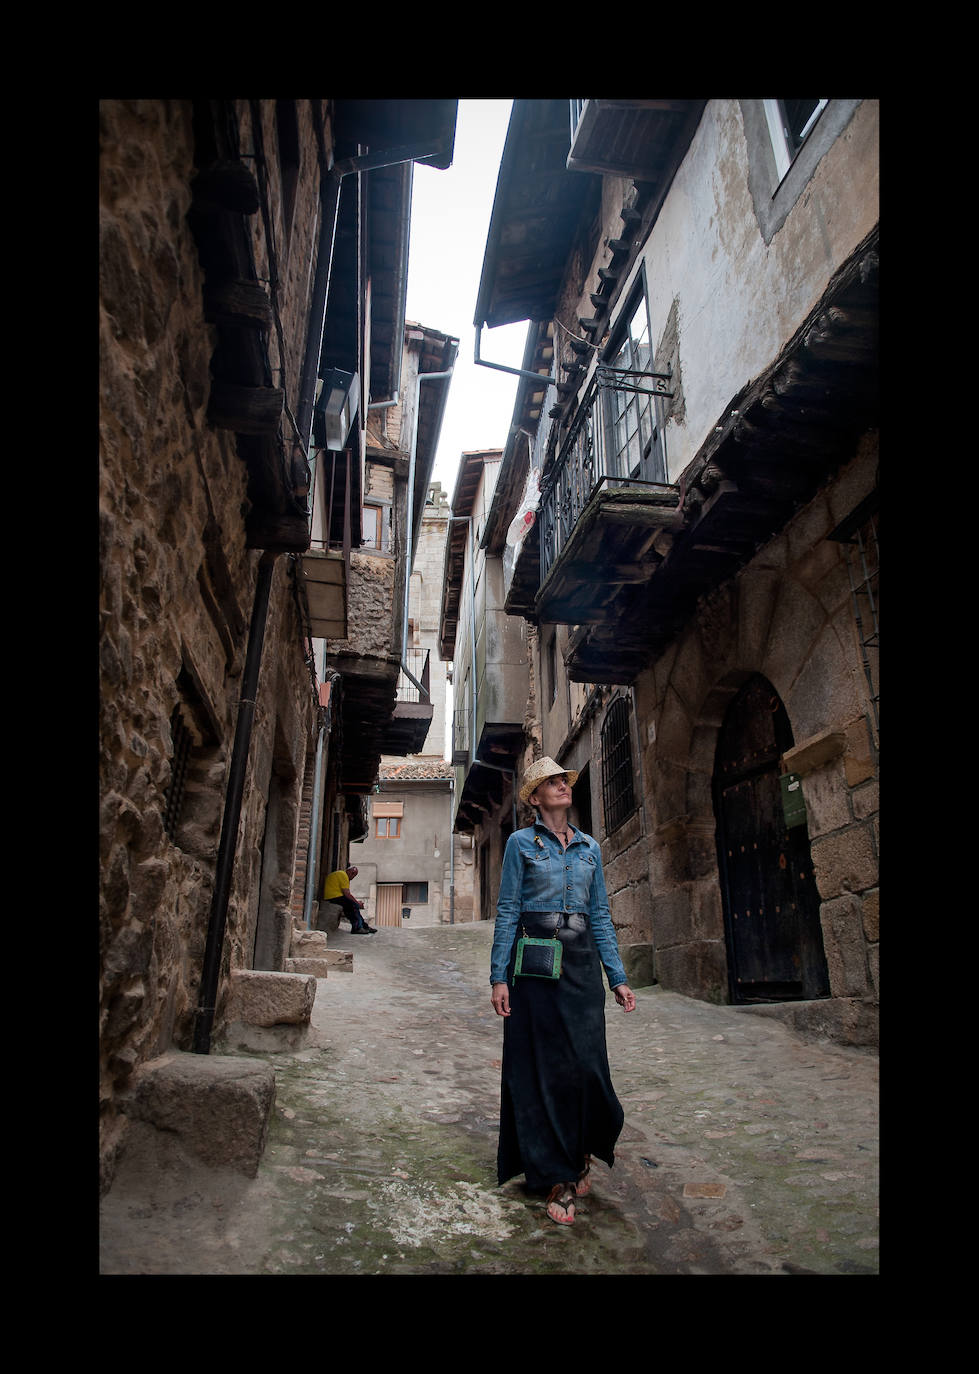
177 589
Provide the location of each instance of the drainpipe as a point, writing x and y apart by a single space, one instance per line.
452 852
472 637
539 377
409 522
314 828
214 942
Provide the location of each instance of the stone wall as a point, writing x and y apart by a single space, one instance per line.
789 616
177 585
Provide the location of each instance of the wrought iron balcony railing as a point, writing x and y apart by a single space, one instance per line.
417 662
612 440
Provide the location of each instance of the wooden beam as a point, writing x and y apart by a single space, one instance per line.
245 409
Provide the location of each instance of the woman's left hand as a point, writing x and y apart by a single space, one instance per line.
625 997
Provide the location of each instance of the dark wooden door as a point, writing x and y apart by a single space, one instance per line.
771 903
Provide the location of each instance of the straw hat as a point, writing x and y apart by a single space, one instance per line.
537 772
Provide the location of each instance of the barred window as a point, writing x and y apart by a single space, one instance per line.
182 744
618 789
194 737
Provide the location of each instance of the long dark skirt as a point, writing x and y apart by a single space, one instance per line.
557 1103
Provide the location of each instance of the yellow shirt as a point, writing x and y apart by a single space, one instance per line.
335 886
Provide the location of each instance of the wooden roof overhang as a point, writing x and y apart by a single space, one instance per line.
245 398
536 213
778 441
439 353
457 540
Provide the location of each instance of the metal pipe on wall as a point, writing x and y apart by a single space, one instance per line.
214 940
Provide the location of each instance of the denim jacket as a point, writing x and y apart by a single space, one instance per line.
539 876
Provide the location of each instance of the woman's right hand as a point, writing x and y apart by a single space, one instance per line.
500 998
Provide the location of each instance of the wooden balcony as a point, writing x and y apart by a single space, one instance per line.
407 730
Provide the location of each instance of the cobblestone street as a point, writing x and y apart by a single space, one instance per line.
746 1150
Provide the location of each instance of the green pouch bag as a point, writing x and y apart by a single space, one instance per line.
538 958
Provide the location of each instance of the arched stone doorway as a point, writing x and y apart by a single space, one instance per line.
768 890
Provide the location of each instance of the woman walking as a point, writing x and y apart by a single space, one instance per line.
557 1104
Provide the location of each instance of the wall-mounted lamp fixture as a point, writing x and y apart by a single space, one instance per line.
335 408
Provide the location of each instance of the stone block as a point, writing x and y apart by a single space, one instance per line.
844 862
270 999
340 960
308 944
328 916
316 968
219 1106
859 761
639 963
695 969
845 946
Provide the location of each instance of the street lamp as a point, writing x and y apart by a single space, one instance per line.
335 408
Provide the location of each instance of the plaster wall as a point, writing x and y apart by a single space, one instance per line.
738 298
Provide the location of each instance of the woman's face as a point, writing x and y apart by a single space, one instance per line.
552 793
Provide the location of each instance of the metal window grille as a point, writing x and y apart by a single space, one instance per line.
182 743
618 789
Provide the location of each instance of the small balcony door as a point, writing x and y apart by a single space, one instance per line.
632 436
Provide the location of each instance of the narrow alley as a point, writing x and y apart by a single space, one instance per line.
746 1150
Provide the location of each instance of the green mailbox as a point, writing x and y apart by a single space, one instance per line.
793 803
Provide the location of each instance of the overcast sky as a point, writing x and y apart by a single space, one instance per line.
450 218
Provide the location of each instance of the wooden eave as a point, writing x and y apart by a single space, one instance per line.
535 216
243 397
630 138
456 542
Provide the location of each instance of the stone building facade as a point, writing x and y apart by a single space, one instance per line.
243 250
698 408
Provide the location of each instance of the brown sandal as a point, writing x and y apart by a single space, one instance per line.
583 1186
562 1195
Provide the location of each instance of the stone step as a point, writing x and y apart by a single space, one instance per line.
219 1106
268 1011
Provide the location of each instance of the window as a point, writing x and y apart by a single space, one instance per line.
371 527
387 819
618 791
194 734
790 122
786 141
416 893
183 742
632 423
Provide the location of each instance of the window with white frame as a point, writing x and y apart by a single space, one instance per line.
632 421
790 122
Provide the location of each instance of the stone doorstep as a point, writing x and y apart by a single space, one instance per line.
850 1021
219 1106
262 998
317 968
